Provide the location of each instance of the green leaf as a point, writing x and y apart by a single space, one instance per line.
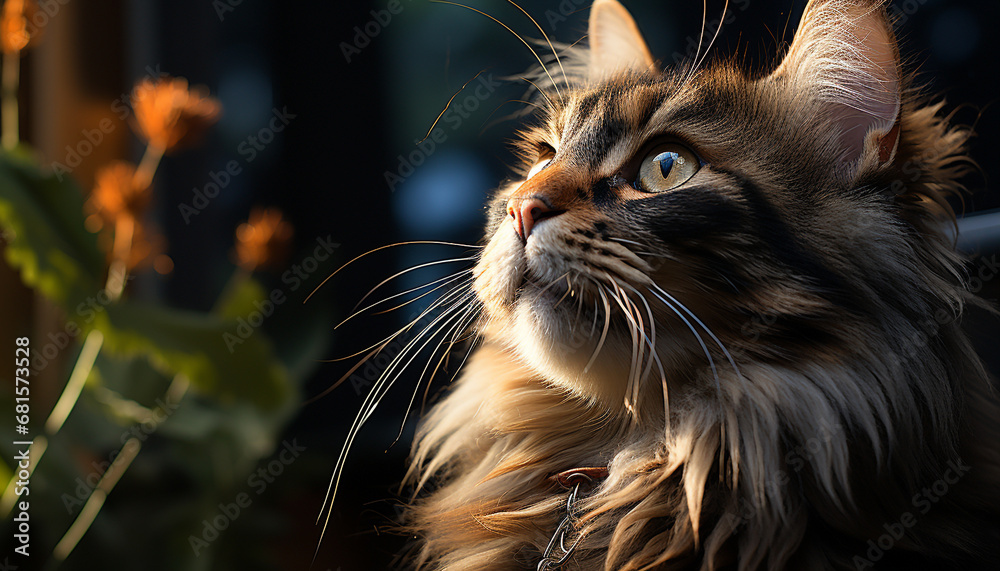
42 218
239 296
218 357
116 380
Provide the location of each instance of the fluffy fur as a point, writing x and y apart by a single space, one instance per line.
767 358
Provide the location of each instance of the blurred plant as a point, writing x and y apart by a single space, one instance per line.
264 240
14 34
120 199
169 116
14 38
50 238
115 193
118 207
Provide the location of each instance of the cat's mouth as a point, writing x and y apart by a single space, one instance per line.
569 290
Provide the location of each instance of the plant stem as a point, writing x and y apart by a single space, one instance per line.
118 272
147 167
8 99
125 224
178 387
125 227
96 500
84 364
115 287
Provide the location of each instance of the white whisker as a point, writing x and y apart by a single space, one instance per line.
379 249
547 40
607 324
698 63
634 331
701 38
447 280
412 269
703 326
383 384
508 28
467 317
697 336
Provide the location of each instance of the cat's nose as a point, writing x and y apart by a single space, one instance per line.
527 212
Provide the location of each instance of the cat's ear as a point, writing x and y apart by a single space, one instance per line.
845 52
615 42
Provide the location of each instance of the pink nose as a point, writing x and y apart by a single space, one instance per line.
527 212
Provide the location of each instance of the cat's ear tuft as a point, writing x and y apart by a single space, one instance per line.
616 45
845 52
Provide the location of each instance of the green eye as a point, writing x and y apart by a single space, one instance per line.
667 167
538 167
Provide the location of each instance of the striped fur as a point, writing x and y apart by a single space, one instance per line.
768 358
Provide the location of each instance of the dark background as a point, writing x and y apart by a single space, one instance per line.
327 172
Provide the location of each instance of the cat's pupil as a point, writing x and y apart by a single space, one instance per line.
666 161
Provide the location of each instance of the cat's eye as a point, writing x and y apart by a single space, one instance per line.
539 167
544 158
667 167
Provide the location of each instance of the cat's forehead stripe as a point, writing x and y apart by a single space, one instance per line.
596 126
638 105
603 126
584 110
635 107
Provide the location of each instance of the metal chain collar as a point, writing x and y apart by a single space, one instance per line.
556 553
551 559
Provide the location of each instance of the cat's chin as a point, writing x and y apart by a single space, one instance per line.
556 339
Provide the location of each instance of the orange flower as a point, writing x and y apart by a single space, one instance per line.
263 240
168 115
116 194
14 34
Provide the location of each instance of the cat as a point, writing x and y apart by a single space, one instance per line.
717 324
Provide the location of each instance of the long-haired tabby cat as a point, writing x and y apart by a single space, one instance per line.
717 324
